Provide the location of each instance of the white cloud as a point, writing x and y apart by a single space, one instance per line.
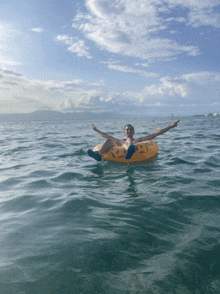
133 28
159 104
79 48
68 105
19 93
9 72
74 46
70 87
142 64
129 69
173 32
195 88
203 78
176 19
205 85
204 18
6 62
187 105
38 30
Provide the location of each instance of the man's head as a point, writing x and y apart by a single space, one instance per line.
129 131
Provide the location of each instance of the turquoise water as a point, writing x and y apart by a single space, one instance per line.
72 225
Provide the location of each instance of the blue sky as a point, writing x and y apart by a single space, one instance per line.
138 57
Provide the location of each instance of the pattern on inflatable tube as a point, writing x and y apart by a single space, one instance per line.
144 150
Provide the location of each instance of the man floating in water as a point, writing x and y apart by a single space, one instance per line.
128 145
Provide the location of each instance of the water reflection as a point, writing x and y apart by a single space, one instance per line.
125 178
131 189
147 162
98 171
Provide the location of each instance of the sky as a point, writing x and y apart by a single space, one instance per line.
133 57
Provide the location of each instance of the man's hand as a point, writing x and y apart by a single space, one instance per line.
174 124
103 135
94 128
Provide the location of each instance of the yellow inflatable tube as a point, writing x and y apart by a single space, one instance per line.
144 150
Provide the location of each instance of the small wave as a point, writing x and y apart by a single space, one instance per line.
49 204
42 138
77 143
177 160
214 183
39 184
68 176
181 138
173 181
76 205
41 173
20 149
212 146
19 204
16 167
202 170
51 145
79 152
215 137
213 161
199 136
212 164
65 155
9 183
196 150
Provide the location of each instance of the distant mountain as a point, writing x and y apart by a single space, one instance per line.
48 115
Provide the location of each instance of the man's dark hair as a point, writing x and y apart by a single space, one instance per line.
129 125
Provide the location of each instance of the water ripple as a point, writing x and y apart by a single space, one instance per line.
72 225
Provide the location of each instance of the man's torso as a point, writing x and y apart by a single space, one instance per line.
127 143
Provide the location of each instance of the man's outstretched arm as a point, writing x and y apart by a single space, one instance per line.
158 132
106 136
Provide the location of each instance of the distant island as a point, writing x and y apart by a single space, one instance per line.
49 115
209 114
212 114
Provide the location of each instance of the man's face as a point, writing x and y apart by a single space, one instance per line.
129 131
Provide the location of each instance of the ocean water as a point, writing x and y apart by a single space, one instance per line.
69 224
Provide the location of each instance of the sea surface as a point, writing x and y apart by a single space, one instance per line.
69 224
